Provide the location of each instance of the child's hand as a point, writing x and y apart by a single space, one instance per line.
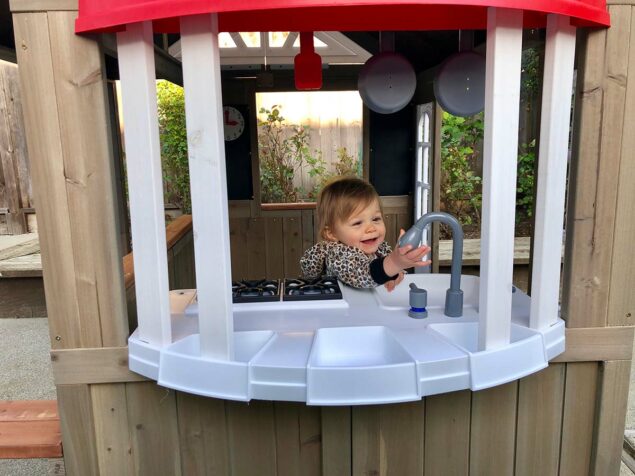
404 258
390 285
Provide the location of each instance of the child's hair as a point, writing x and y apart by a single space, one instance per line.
340 198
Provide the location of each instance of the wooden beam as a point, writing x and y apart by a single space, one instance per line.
500 150
610 417
61 77
110 364
99 365
597 344
42 5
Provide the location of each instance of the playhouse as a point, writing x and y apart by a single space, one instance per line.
194 382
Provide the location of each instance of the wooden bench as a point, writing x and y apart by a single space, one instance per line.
30 429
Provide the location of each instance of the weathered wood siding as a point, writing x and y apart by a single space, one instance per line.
269 244
15 181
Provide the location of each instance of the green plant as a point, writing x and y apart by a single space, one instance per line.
173 138
283 149
460 184
525 180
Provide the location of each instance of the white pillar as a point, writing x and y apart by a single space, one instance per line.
552 170
135 50
206 149
502 98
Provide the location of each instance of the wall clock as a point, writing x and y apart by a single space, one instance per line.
233 123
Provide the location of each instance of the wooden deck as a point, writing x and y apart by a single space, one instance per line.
30 429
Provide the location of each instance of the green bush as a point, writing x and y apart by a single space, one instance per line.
525 181
173 138
460 184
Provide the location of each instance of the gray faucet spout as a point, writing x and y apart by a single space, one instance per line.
454 295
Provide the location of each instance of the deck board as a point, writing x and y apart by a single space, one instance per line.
30 429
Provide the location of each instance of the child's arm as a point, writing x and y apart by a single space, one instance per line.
312 262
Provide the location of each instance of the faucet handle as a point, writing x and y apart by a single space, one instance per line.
418 302
411 237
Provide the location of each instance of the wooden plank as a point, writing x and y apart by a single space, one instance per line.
472 251
336 441
153 427
208 183
22 297
13 246
30 439
578 418
22 267
308 231
540 399
447 434
202 435
183 263
18 136
388 439
255 251
42 5
594 176
298 439
238 243
49 181
135 51
78 430
493 427
292 236
390 222
597 343
99 365
239 208
8 170
27 410
611 402
87 155
251 438
112 436
274 248
621 310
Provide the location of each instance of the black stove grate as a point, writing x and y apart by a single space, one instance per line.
263 290
311 289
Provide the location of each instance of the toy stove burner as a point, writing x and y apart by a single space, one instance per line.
311 289
263 290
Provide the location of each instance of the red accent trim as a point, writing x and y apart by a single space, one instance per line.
333 15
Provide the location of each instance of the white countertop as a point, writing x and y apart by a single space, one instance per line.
359 350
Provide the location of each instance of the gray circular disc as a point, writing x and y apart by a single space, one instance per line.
387 82
459 85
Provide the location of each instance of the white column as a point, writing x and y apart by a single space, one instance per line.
135 50
552 170
206 149
502 98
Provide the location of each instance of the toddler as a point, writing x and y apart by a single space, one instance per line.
353 249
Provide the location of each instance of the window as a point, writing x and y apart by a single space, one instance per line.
304 140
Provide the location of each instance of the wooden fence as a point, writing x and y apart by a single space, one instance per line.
270 243
16 199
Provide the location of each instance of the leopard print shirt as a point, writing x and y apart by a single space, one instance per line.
349 264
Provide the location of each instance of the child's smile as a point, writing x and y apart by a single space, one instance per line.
364 229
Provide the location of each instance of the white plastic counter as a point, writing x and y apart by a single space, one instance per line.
364 349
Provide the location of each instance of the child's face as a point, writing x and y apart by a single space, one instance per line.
364 229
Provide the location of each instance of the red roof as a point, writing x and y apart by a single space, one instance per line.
330 15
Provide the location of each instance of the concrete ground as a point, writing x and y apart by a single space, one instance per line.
26 375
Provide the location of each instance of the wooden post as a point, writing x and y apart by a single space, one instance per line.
206 150
552 171
145 182
502 99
